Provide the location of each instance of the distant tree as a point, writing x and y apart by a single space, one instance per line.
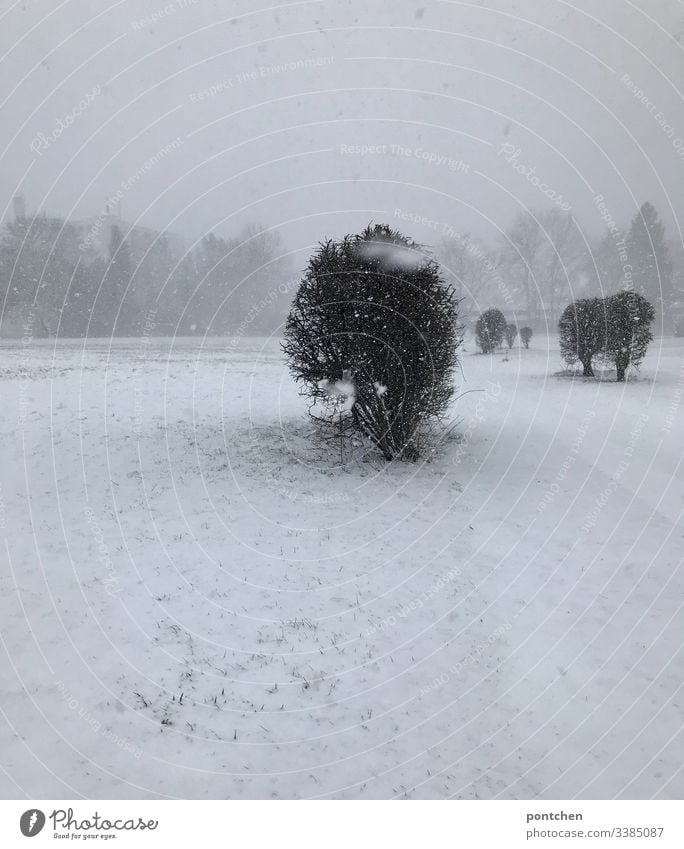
470 269
582 328
543 256
169 308
677 254
259 266
489 330
211 286
372 338
77 317
115 308
649 255
521 257
526 336
511 333
629 330
234 285
62 278
562 259
40 262
605 263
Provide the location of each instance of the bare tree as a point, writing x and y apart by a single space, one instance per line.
470 270
544 255
521 258
563 256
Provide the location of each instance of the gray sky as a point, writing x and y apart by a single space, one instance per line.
265 114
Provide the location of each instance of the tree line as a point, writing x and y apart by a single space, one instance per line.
55 281
545 259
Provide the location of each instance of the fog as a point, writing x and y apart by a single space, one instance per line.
311 119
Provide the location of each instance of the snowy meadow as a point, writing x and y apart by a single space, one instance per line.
201 600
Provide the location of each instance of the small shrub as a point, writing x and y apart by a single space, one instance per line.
582 329
372 337
489 330
629 330
511 333
526 336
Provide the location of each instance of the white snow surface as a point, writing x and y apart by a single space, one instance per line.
199 601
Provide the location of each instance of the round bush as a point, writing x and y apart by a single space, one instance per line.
582 332
372 338
489 330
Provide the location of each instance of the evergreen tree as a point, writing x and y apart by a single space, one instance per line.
605 264
649 255
526 336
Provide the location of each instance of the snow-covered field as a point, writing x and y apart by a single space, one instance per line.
199 601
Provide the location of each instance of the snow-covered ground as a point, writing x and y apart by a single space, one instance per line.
199 601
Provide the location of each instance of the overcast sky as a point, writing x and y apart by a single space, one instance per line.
315 117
